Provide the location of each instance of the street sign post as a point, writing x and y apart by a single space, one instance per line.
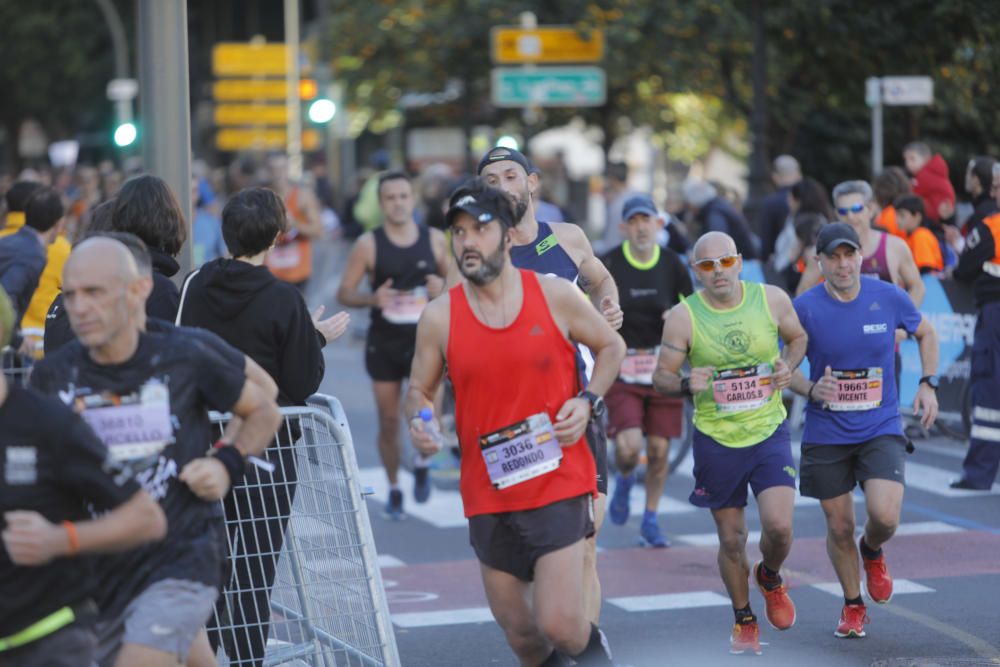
548 44
549 87
893 91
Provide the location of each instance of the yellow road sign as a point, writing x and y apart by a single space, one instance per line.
249 59
264 139
251 114
548 44
240 90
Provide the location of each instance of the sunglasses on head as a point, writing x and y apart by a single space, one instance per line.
726 262
857 208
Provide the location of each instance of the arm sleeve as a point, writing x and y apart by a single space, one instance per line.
85 466
301 358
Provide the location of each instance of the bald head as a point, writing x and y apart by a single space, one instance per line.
107 256
714 244
786 171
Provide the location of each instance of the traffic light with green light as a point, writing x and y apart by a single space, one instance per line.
125 134
322 111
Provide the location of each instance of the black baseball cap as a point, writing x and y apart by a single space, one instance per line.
501 153
467 203
639 204
836 234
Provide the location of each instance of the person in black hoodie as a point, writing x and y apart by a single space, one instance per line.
243 303
146 207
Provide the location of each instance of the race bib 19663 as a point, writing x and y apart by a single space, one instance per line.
522 451
638 365
742 389
859 389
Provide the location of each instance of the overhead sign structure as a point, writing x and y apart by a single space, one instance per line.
549 87
549 44
263 139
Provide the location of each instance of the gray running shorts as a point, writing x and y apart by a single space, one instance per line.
167 616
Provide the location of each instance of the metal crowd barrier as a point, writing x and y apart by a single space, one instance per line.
327 602
16 366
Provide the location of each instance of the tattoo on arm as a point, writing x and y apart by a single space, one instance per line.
670 346
584 282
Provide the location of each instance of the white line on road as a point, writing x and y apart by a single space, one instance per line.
899 587
936 480
423 619
670 601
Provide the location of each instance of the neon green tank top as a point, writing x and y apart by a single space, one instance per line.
740 409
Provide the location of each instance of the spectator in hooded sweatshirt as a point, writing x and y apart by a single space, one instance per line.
242 302
930 181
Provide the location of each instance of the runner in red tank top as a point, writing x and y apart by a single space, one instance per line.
527 476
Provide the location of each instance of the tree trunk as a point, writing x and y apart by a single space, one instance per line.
758 115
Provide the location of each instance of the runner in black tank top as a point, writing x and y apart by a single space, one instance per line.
404 263
650 281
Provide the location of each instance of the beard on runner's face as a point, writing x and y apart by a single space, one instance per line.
489 267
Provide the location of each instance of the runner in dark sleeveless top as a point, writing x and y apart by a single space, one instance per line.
877 265
650 280
405 264
527 476
550 248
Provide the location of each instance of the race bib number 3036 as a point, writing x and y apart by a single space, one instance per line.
859 389
521 451
742 389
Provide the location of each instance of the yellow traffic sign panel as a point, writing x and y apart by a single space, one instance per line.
240 90
548 44
264 139
251 114
249 59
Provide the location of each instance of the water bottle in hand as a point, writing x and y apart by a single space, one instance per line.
430 428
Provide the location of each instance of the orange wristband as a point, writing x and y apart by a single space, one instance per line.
74 540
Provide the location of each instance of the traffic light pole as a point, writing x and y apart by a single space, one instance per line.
166 114
292 47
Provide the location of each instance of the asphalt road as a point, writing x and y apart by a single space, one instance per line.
668 607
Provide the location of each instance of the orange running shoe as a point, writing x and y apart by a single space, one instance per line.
745 637
852 621
877 579
779 608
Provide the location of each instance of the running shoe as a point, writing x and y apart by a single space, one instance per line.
650 534
618 507
421 483
852 621
394 508
779 608
877 579
745 637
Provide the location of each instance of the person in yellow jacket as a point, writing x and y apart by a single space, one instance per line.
17 196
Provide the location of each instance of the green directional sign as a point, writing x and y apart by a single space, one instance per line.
549 86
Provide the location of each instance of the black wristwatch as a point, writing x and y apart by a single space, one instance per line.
686 386
931 380
597 407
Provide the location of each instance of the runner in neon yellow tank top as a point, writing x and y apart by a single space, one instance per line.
728 331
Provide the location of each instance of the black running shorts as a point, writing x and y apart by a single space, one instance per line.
514 541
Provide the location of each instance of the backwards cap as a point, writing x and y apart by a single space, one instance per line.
499 154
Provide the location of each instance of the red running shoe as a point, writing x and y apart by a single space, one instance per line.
779 608
877 579
745 637
852 621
